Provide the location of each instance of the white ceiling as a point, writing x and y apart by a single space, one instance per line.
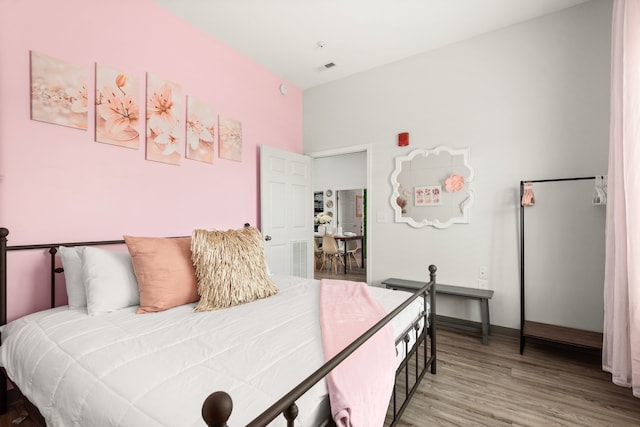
283 35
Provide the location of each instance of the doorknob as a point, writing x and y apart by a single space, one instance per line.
267 237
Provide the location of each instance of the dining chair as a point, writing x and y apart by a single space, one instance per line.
317 255
352 248
331 252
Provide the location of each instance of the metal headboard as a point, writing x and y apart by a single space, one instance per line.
52 249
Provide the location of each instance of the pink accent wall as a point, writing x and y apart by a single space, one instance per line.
58 185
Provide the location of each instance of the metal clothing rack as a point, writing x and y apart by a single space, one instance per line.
544 331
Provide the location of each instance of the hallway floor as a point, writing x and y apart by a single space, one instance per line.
354 273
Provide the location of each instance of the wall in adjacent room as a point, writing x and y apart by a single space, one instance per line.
58 185
531 101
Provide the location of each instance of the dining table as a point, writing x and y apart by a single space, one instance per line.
345 238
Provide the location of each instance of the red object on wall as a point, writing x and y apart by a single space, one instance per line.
403 139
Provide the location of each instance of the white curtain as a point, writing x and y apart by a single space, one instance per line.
621 344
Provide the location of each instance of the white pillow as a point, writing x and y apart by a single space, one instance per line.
72 265
109 280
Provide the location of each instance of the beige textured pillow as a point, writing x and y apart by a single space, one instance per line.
230 267
165 273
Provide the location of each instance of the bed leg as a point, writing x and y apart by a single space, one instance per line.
216 409
3 392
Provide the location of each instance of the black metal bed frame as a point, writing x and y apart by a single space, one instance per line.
217 407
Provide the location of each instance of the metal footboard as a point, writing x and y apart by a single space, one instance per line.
217 407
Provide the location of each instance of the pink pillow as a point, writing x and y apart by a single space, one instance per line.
165 273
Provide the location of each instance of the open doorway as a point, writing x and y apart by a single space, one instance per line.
340 181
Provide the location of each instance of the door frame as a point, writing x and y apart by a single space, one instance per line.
366 148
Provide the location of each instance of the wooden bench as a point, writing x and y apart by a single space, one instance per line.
482 295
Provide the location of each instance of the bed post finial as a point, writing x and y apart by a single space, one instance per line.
216 409
432 272
290 414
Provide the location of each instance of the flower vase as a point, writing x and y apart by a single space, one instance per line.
321 230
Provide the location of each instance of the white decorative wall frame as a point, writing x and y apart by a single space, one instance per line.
430 169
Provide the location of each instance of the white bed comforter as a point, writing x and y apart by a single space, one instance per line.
125 369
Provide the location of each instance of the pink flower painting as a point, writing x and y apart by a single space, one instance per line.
164 142
230 139
58 92
117 108
201 130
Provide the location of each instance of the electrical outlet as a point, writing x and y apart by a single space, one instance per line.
482 273
483 284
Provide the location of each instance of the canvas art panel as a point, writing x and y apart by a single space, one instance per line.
58 92
117 107
359 206
429 195
230 139
201 130
164 135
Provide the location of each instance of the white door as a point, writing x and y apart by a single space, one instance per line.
347 211
286 202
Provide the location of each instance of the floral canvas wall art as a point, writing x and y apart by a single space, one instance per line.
117 108
58 92
230 139
201 130
164 136
430 195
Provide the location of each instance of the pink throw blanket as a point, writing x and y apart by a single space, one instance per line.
360 387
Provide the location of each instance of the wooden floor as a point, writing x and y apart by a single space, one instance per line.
354 273
493 385
17 410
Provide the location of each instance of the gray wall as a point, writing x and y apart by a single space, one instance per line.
531 101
